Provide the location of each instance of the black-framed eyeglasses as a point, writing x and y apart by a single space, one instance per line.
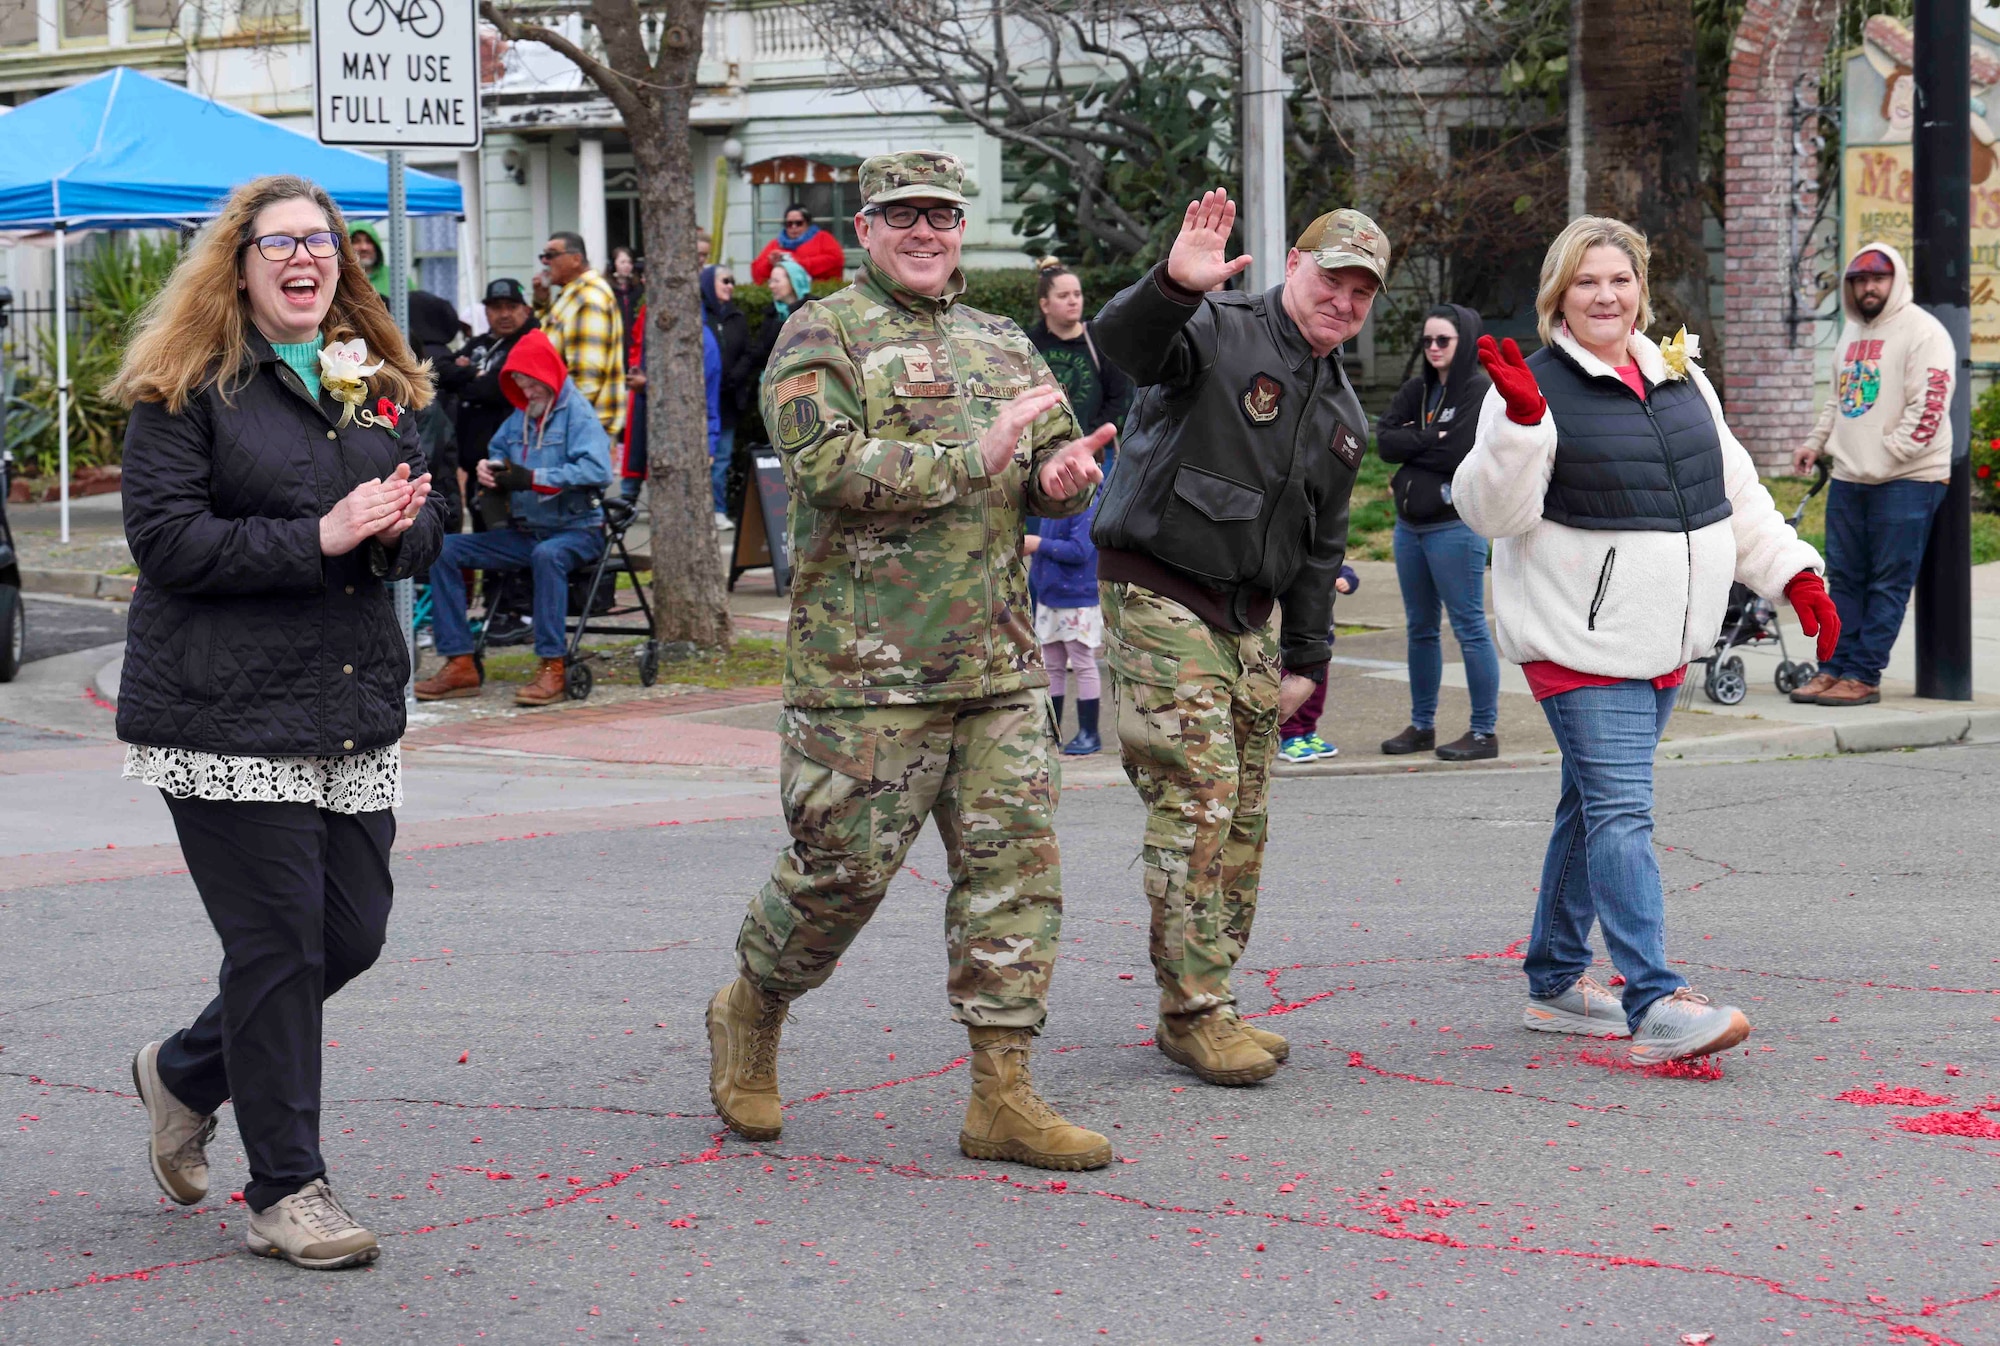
550 254
941 218
1436 342
280 247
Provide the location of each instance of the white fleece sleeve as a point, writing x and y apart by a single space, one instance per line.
1768 552
1498 489
1930 372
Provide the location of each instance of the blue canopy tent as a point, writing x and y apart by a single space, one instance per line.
126 151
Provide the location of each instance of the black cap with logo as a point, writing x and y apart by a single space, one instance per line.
506 290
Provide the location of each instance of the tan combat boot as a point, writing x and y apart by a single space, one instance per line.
547 688
1008 1120
1271 1042
1215 1046
743 1029
459 677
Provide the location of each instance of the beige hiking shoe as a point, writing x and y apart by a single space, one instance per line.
311 1229
178 1146
1215 1046
1007 1120
744 1025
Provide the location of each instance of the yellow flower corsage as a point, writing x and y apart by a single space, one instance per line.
343 372
1677 350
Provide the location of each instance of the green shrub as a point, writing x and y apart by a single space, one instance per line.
1986 448
113 281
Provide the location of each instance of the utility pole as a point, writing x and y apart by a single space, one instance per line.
1263 98
1942 266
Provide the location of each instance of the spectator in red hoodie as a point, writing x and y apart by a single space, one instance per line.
812 247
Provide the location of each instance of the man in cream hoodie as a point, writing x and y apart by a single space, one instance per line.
1887 429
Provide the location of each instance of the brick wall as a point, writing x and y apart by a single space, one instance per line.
1767 362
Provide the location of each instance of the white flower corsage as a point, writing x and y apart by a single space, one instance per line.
1677 350
343 372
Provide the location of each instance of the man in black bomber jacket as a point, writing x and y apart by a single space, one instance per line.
1230 499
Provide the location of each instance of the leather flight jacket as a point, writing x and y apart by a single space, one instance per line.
1237 462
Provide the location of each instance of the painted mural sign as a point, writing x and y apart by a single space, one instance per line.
1877 115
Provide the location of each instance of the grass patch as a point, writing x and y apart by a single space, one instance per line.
1812 527
753 661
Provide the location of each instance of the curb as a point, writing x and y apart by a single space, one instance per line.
1929 729
78 584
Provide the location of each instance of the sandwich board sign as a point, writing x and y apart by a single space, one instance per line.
396 74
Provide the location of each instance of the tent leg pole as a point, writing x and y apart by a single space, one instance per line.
405 591
62 377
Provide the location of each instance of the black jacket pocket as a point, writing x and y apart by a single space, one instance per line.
1222 500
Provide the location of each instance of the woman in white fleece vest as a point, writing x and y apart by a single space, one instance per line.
1621 508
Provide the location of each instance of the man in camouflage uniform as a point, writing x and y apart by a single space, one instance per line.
1230 500
915 433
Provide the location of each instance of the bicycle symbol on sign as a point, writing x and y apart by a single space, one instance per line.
425 18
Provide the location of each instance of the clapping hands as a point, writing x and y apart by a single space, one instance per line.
384 509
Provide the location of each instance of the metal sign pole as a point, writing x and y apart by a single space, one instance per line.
399 310
62 375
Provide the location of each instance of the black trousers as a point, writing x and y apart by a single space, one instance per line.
300 896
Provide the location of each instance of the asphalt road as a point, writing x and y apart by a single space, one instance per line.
1423 1171
61 625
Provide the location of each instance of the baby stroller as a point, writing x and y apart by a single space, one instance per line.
1751 621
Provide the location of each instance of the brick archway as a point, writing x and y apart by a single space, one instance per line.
1770 195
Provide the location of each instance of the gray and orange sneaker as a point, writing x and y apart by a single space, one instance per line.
1585 1008
1684 1024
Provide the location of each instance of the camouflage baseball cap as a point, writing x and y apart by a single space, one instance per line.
913 175
1347 238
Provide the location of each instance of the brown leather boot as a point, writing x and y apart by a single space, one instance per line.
744 1026
1849 692
546 689
459 677
1807 693
1215 1046
1007 1120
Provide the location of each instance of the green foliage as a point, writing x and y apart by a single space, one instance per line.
1986 448
1164 137
113 281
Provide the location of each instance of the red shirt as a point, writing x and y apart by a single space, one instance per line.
1547 678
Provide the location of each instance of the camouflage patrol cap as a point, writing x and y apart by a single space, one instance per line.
1347 238
913 175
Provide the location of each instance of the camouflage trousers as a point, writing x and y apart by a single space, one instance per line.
857 785
1197 715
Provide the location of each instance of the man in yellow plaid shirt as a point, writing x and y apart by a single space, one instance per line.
583 322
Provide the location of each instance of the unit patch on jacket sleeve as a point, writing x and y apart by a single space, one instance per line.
1261 398
799 422
1347 447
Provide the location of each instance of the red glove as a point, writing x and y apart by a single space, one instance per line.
1516 382
1817 615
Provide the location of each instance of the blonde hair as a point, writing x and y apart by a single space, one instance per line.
196 330
1565 259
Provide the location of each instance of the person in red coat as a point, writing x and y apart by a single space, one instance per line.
812 247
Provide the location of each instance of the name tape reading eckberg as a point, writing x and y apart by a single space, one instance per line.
396 74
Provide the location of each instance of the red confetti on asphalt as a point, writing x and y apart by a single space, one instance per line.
1902 1096
1950 1124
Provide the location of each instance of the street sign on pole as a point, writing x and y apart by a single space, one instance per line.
1263 143
396 74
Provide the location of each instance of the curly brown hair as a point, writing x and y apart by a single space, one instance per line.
195 331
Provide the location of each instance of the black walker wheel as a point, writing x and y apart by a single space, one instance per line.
576 682
649 664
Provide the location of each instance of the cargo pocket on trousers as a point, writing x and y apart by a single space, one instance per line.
1143 686
826 778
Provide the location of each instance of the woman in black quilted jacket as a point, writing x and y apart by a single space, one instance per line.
274 486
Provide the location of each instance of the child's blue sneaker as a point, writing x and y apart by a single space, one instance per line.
1321 748
1298 749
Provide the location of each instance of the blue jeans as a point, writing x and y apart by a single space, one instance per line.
551 557
1447 567
1875 537
1600 864
718 468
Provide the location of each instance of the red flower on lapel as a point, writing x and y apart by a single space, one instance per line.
388 411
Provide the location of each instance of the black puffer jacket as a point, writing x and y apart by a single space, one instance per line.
243 639
1428 429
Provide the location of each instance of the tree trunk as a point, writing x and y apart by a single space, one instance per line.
692 603
1643 143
